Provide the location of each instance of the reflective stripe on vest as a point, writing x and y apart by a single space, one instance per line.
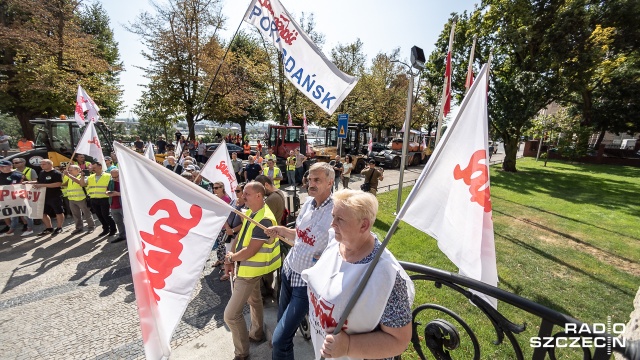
98 190
267 259
29 171
276 172
291 167
74 191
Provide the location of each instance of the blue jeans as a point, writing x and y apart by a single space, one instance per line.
292 308
291 177
15 221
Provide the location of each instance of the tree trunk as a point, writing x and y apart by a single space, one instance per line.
191 124
600 138
282 108
27 127
510 152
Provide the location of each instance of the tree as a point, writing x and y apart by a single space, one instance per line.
46 54
596 56
521 83
240 93
177 36
104 89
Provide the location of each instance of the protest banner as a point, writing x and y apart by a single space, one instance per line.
21 200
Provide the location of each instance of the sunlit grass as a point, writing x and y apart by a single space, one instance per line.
567 237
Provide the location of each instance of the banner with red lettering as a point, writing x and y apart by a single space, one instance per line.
21 200
170 224
219 168
305 65
451 200
89 144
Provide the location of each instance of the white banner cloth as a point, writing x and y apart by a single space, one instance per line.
89 144
148 152
21 200
218 168
451 200
304 64
171 225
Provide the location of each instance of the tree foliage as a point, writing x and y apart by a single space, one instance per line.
46 53
180 36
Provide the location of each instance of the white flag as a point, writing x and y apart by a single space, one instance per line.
304 64
169 222
148 152
81 107
93 110
218 168
451 200
89 144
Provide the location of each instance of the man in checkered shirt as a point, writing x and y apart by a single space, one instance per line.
311 238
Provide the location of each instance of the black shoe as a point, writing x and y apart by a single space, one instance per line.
90 230
103 233
57 231
113 232
46 232
4 229
118 239
76 231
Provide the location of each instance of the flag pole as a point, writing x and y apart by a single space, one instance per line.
74 149
394 225
469 81
447 81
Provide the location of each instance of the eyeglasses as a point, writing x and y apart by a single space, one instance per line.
218 187
238 190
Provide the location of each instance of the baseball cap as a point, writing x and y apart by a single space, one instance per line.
5 163
107 158
191 168
371 161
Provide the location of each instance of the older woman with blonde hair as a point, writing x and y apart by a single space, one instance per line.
379 326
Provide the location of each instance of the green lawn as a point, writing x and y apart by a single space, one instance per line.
567 237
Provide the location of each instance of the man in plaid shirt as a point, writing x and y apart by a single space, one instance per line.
311 237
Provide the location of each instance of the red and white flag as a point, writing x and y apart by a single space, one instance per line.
304 122
219 168
84 103
289 118
81 107
89 144
451 200
447 83
370 145
149 153
469 80
169 222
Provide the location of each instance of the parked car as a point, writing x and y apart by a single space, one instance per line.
231 148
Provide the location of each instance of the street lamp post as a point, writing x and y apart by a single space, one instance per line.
417 62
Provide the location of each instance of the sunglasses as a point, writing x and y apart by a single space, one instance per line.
238 190
218 187
17 162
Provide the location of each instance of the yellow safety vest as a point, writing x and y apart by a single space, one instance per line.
63 188
270 157
276 172
28 172
291 167
74 190
267 259
97 190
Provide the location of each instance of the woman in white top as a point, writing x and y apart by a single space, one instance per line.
346 171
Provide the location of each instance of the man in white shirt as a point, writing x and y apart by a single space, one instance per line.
311 237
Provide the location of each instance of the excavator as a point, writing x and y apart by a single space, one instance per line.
56 139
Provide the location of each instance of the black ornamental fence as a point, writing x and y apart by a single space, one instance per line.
441 338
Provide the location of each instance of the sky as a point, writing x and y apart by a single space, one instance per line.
382 26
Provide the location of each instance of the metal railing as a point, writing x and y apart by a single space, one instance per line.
442 337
